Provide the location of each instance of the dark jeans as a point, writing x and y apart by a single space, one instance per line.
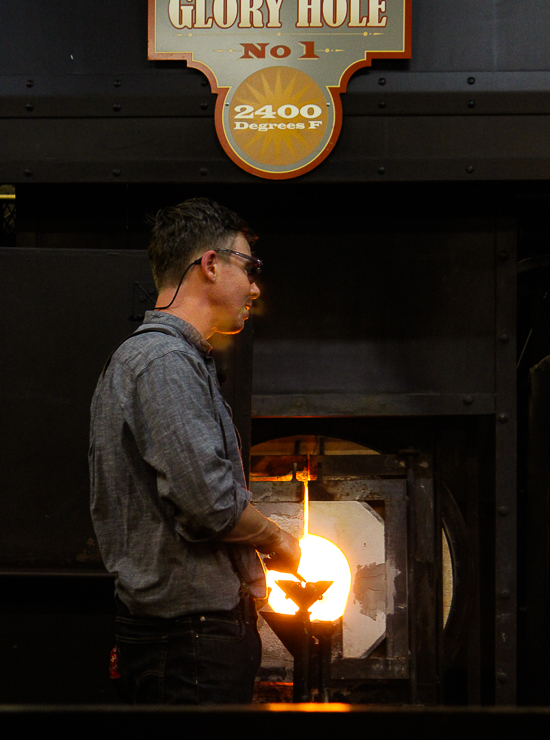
209 658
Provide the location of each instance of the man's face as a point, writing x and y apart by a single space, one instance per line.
234 293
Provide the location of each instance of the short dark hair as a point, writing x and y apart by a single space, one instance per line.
182 233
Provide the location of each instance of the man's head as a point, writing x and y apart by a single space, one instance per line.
184 232
209 246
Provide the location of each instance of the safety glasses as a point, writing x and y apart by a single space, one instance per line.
254 267
253 270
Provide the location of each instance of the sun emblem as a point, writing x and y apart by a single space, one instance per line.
278 116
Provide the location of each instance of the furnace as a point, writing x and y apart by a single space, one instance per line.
358 502
354 503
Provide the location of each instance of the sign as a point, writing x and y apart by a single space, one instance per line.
279 68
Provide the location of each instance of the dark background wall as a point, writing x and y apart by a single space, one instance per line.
107 37
80 101
387 249
396 310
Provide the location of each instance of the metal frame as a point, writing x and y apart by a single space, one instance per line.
425 628
371 404
371 148
157 126
411 644
505 468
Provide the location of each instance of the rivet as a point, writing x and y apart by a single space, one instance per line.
503 255
204 106
503 418
381 170
116 107
471 80
116 173
381 104
471 103
502 677
117 83
382 81
28 173
505 594
203 619
203 171
502 511
504 338
469 169
29 83
29 106
468 400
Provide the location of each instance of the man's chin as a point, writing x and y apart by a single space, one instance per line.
231 331
235 328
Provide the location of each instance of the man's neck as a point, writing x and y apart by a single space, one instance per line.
193 315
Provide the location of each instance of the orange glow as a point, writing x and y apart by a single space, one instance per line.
306 707
321 561
306 514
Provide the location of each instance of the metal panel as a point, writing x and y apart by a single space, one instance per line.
413 338
422 583
434 85
537 504
470 61
470 35
185 149
74 38
505 471
172 93
186 93
395 404
270 723
111 38
473 640
107 150
64 312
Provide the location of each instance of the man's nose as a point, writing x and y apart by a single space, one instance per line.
254 291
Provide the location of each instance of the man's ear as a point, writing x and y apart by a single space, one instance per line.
209 265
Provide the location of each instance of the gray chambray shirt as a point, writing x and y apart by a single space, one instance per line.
166 476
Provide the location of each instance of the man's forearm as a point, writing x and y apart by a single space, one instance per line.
256 530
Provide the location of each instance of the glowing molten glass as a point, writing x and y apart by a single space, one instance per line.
321 561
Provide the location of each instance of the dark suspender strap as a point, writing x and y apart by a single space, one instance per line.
159 330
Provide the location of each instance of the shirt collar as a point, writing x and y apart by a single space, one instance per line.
184 328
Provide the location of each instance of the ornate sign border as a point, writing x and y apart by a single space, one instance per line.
335 92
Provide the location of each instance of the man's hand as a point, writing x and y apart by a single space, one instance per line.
285 558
